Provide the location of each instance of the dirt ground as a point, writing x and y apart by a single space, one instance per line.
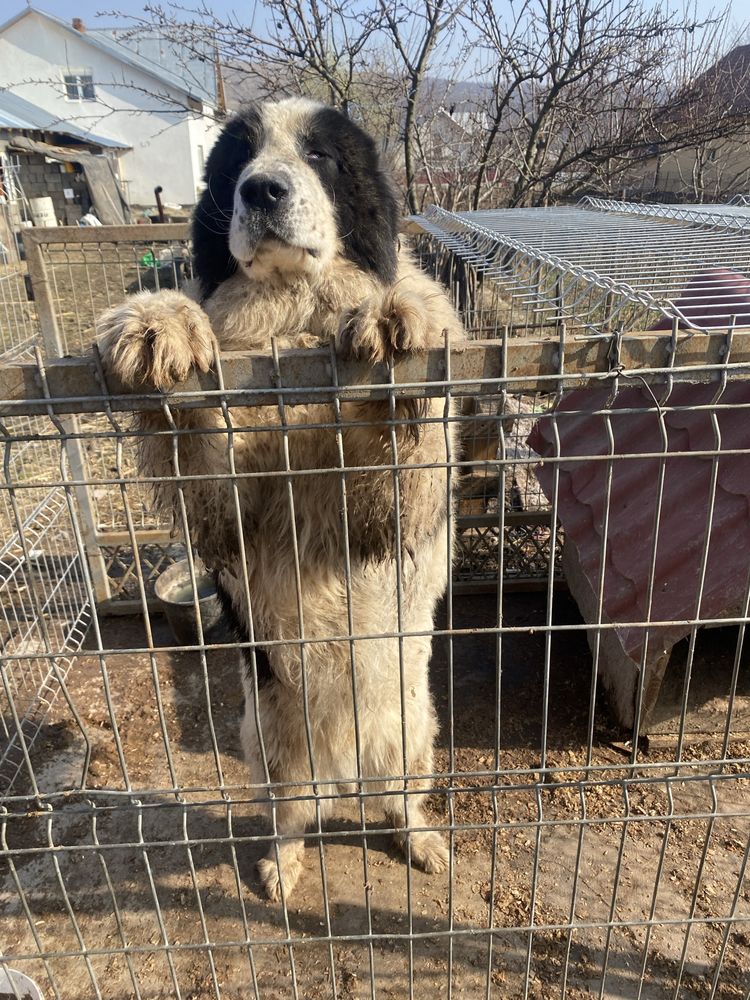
140 880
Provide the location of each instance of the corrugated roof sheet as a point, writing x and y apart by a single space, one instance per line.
580 423
197 70
18 113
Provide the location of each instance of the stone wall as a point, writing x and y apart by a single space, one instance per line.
42 178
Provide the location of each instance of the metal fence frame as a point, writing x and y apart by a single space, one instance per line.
90 823
36 242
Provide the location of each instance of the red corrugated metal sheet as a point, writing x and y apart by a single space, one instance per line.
715 297
687 493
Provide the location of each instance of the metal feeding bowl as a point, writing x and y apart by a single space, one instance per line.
176 594
14 984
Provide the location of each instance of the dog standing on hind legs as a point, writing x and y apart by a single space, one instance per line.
296 238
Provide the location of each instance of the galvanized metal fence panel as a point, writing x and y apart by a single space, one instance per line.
595 795
77 273
43 608
584 859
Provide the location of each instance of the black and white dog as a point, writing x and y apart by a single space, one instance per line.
296 237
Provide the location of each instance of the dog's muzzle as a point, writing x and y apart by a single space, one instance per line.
267 194
266 201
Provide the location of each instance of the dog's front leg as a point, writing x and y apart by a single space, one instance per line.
387 324
154 340
410 316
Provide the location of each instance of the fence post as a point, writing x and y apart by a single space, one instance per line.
52 343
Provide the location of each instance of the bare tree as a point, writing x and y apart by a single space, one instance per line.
318 48
415 29
566 96
583 89
372 63
713 87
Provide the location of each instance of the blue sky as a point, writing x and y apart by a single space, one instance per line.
88 9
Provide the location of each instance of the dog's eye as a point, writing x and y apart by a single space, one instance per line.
316 154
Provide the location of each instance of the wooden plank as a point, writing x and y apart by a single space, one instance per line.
476 369
143 536
53 348
65 235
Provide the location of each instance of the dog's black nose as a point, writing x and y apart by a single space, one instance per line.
263 192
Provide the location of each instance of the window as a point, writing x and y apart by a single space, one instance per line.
79 86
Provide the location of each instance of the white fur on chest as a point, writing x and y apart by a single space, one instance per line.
247 311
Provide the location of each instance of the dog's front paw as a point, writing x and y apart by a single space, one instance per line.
385 325
275 874
429 851
155 339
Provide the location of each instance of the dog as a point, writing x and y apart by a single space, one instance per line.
295 238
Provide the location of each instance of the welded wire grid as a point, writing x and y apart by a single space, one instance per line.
77 274
583 861
18 327
595 268
733 215
43 607
82 277
598 270
84 272
484 490
85 278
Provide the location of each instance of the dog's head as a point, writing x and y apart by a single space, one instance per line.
293 184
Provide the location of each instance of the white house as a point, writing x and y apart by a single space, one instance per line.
164 122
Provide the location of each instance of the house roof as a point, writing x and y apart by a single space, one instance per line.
727 81
576 434
16 113
106 43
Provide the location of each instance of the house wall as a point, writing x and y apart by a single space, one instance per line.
131 106
725 172
204 133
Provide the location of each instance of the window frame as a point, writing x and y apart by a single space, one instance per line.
76 83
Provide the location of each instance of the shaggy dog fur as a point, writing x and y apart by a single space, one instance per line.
296 238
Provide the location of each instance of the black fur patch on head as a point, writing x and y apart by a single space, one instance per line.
238 143
348 165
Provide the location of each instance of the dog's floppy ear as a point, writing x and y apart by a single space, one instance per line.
367 212
235 147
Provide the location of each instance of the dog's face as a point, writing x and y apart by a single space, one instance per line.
291 186
283 194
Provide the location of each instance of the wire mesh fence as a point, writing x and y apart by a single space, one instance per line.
589 853
48 303
732 216
79 272
42 607
76 274
601 266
